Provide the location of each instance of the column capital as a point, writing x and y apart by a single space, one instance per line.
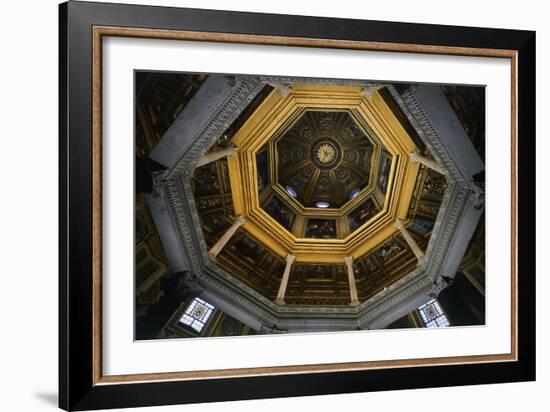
216 155
290 259
283 88
370 90
478 195
348 260
240 220
431 163
232 151
414 156
438 286
399 224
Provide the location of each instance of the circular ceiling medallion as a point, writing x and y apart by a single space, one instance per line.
326 154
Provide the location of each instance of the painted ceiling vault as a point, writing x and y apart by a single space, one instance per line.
303 204
319 183
323 157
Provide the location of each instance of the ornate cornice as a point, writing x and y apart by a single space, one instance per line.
420 285
246 89
273 122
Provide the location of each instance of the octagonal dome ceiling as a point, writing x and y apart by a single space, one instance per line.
358 155
240 233
297 152
324 159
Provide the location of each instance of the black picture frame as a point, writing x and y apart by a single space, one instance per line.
77 390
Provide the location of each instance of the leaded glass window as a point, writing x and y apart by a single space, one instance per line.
432 315
197 314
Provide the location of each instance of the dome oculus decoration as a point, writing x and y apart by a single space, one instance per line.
326 154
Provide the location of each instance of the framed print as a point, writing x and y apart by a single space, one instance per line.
259 206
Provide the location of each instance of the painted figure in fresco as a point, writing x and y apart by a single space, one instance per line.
384 173
421 226
282 217
247 248
261 161
321 272
389 250
206 180
361 215
276 209
321 229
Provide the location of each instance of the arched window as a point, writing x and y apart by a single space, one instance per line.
291 191
197 314
432 315
354 193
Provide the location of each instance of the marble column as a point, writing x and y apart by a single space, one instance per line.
284 281
351 280
283 88
217 248
409 239
218 154
432 164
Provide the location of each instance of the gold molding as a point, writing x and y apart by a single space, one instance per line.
295 369
265 126
348 206
97 207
